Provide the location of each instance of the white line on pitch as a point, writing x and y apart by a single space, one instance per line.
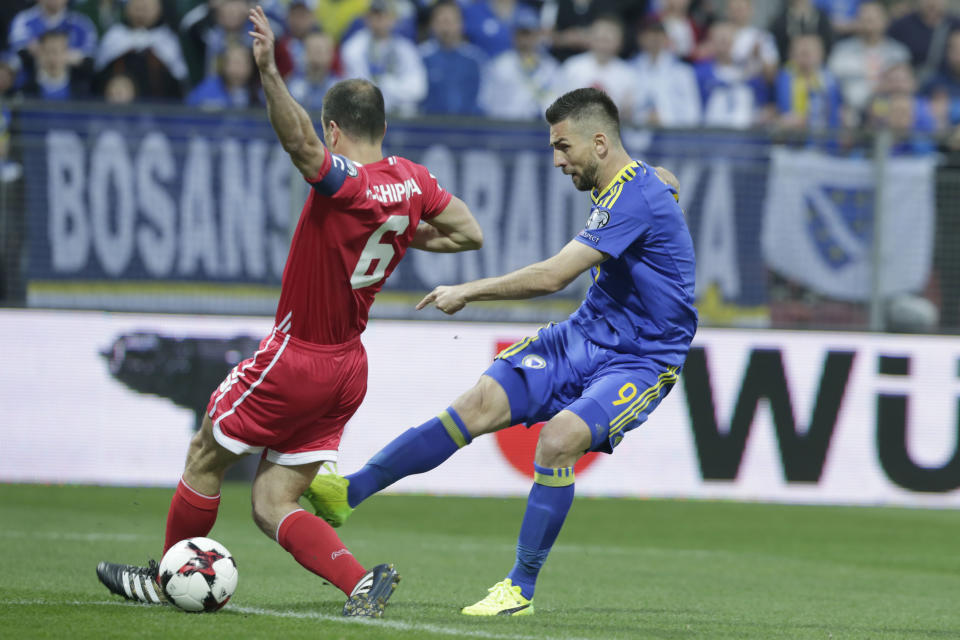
304 615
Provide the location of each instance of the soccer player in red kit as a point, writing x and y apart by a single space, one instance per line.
291 400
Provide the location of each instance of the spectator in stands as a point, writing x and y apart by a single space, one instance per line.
234 86
453 65
858 62
9 9
11 76
209 28
682 32
808 96
842 15
310 85
391 62
120 89
911 124
888 107
103 13
411 19
336 16
667 93
489 24
567 21
106 13
146 49
291 47
731 98
754 50
49 74
517 84
800 17
600 67
924 32
53 15
943 90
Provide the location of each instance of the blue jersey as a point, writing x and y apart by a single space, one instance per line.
641 300
30 24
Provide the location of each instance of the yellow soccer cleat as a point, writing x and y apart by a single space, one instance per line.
327 495
504 599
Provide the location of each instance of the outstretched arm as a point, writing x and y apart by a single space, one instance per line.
537 279
289 119
453 229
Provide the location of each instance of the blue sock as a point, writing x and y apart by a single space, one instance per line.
547 506
414 451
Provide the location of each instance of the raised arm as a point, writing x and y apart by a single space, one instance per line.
453 229
537 279
289 119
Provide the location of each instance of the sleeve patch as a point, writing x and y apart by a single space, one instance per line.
340 168
598 218
586 235
612 229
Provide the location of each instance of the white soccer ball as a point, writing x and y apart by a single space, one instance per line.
198 574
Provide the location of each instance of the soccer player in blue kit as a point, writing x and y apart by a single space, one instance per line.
593 377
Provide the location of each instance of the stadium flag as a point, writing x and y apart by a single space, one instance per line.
818 223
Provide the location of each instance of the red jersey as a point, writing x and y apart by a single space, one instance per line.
354 228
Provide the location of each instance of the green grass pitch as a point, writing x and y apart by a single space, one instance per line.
621 569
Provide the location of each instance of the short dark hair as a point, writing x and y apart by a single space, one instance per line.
356 105
581 104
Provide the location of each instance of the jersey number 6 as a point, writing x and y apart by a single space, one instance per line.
376 255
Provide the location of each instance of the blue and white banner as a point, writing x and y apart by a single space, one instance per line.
818 226
192 212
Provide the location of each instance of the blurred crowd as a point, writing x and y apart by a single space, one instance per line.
799 65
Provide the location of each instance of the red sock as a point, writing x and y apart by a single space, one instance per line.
316 546
191 514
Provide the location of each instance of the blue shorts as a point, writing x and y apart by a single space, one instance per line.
560 369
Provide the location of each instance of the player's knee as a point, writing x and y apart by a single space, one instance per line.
196 453
202 454
264 514
560 445
484 408
263 523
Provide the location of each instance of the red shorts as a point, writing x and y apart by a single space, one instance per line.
291 398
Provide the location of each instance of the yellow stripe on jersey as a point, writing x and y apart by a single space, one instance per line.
641 403
667 377
614 195
624 175
516 347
